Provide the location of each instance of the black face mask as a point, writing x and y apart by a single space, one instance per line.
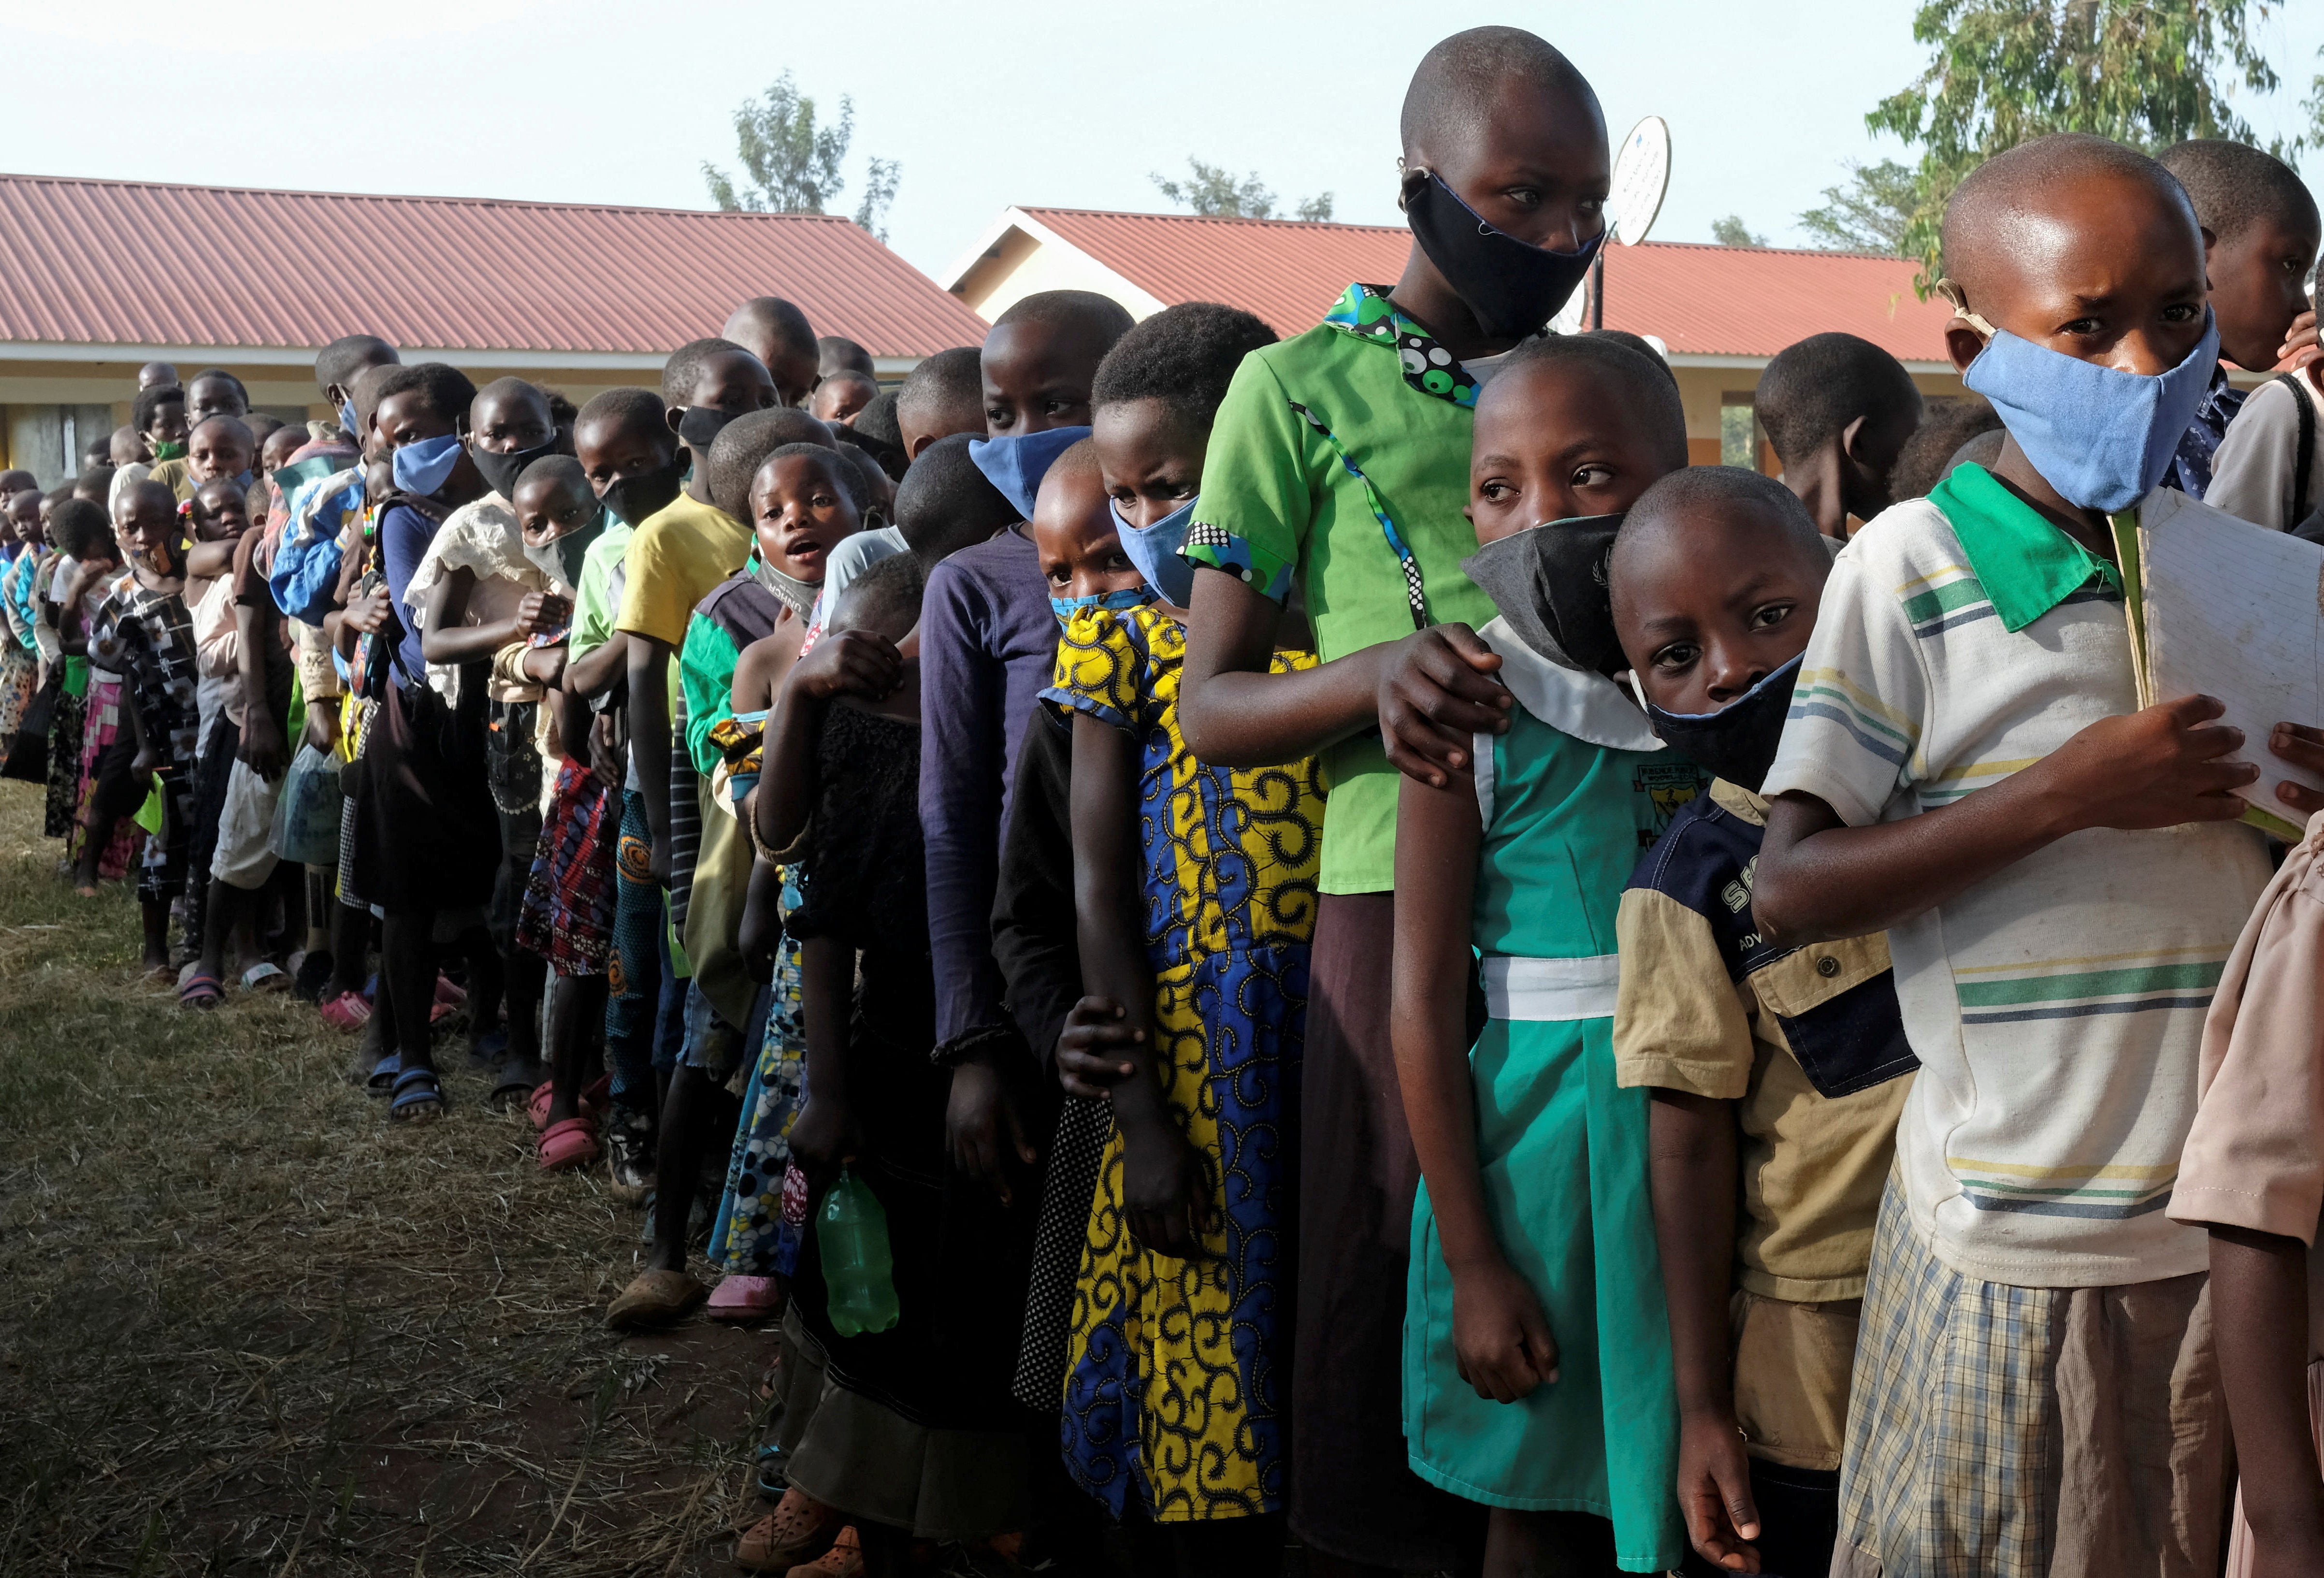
702 424
1512 286
1549 582
574 547
633 498
1738 741
500 472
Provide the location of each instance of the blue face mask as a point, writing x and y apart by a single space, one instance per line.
1015 463
2101 437
348 417
1154 549
1120 601
421 467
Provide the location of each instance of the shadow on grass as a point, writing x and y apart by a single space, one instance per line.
245 1328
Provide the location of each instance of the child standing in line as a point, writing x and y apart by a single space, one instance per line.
82 535
106 842
1341 458
489 615
567 915
1195 888
1537 1363
427 837
944 395
141 631
1838 410
1966 765
2261 229
634 464
219 515
1782 1067
908 1432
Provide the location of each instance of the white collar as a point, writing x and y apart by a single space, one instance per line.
1589 706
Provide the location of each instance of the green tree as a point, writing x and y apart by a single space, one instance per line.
790 165
1869 213
2144 72
1731 231
1213 190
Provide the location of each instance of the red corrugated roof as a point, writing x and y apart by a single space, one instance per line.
135 263
1702 300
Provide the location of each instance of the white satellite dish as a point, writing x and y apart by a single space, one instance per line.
1641 177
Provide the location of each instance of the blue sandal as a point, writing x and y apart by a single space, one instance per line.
381 1080
418 1097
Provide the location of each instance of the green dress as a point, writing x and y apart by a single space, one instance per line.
1570 797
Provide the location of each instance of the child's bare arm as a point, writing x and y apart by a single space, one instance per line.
853 662
2165 765
1500 1337
649 742
1692 1145
825 1136
602 669
756 669
1429 693
2259 1307
209 560
1166 1189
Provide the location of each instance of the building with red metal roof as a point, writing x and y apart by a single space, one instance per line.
1722 312
104 275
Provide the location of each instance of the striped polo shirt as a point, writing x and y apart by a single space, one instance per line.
2057 1006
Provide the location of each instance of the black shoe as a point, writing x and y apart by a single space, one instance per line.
314 974
630 1154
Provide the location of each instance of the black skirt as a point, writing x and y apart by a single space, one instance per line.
427 833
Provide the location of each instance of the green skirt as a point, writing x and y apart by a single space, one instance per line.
1564 1155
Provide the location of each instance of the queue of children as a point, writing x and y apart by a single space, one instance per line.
1405 971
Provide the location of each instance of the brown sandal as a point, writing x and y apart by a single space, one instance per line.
799 1529
655 1298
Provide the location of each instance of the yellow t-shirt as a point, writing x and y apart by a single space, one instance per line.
677 555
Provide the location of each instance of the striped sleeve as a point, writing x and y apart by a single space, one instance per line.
1853 736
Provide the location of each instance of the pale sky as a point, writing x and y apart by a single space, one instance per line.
983 106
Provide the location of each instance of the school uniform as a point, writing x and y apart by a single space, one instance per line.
2031 1308
1341 456
2254 1155
1809 1045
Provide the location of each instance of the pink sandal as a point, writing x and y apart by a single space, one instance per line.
570 1145
745 1298
593 1097
347 1011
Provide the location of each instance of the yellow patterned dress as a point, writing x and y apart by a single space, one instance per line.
1176 1371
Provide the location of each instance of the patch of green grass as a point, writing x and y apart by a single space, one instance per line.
245 1327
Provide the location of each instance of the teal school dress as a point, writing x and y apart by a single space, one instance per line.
1570 797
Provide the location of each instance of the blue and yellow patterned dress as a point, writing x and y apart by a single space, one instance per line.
1176 1373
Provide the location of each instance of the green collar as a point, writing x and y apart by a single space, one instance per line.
2026 565
1366 312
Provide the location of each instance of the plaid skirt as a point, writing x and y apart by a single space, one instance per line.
2005 1432
567 915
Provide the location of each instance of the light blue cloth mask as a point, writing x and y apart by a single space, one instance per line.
422 465
2101 437
1154 549
1120 601
1015 463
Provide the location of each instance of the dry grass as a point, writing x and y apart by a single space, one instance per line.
245 1328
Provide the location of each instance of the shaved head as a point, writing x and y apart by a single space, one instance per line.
778 334
2006 216
1709 498
1079 313
1460 83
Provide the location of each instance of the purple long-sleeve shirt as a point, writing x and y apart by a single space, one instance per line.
988 643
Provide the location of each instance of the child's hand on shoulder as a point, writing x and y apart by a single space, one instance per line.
2159 767
850 663
1436 692
1501 1342
1090 1049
